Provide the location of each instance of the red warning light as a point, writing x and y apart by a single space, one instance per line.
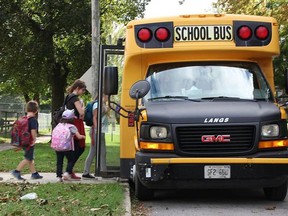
262 32
162 34
144 34
244 32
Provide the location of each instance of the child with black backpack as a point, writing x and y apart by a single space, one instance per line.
63 144
32 110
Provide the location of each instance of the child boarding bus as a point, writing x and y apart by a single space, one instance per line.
201 113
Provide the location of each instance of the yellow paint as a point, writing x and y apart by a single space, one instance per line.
219 160
137 61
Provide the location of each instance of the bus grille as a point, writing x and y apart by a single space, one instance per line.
241 139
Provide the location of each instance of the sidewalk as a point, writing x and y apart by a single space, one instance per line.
40 139
51 177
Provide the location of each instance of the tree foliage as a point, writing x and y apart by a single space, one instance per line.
274 8
45 44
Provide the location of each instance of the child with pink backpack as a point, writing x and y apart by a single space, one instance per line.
63 144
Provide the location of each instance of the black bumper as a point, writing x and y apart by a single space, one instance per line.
186 176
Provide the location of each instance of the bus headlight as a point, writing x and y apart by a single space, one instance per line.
270 130
158 132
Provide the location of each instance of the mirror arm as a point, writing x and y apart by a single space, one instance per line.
117 111
136 112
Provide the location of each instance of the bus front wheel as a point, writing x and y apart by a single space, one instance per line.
276 193
142 192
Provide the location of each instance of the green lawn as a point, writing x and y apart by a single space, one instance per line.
45 157
61 199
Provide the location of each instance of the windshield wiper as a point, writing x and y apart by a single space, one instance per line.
168 97
225 98
221 98
173 97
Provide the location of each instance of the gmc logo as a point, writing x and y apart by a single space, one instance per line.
215 138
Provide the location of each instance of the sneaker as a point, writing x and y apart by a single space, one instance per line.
74 177
36 176
88 176
16 174
67 177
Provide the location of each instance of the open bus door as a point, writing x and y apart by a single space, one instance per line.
109 55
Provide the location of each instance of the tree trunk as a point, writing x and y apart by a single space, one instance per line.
58 84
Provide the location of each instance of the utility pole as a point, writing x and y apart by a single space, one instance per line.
95 4
95 45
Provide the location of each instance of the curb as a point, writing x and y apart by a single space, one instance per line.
127 200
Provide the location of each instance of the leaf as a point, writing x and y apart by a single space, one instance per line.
95 209
271 208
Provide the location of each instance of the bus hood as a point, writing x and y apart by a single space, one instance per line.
212 112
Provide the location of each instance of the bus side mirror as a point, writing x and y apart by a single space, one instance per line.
110 80
286 81
139 89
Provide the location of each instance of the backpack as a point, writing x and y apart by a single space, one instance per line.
20 135
62 138
57 114
88 117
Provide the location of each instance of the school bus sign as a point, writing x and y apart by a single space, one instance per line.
203 33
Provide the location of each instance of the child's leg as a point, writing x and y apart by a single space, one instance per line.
22 164
32 166
70 161
59 165
28 156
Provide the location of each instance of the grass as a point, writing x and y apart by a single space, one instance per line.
45 157
62 199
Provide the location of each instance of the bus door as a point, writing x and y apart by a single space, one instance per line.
108 124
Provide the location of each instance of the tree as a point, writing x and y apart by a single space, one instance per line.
273 8
46 44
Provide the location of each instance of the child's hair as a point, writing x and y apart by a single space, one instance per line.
77 84
32 106
67 120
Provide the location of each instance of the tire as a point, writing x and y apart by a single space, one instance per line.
141 192
276 193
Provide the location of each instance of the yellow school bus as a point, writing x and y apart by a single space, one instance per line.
198 106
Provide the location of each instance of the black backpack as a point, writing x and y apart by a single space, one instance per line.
88 117
57 114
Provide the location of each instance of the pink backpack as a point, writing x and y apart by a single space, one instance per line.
62 138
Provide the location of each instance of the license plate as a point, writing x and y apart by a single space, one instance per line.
217 172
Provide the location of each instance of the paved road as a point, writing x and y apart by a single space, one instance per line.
215 203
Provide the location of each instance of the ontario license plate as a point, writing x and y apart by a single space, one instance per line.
217 172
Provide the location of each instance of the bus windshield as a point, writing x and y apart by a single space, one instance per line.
206 81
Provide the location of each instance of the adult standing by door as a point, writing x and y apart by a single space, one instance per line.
93 133
78 88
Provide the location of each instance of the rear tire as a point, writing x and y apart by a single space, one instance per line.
142 192
276 193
